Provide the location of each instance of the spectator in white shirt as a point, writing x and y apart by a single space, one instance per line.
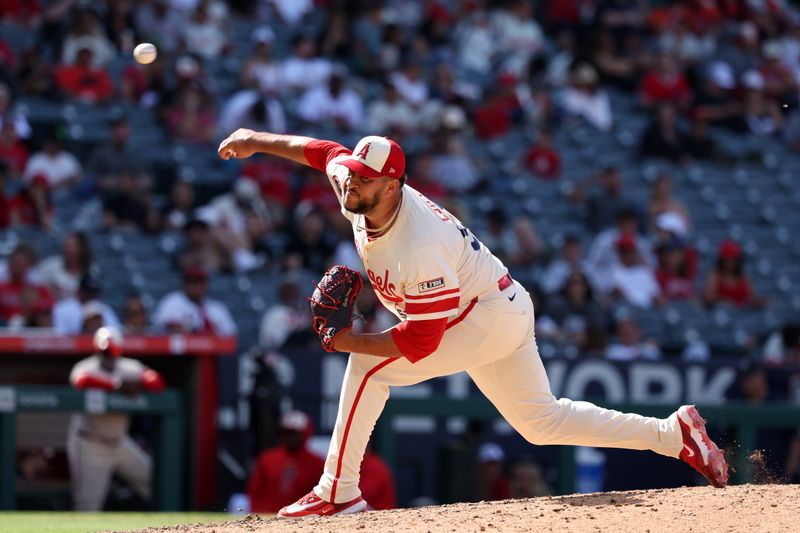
305 69
476 43
629 345
559 270
411 85
604 255
190 311
62 273
71 314
60 167
630 279
519 36
253 110
335 103
585 100
204 34
261 70
391 112
289 316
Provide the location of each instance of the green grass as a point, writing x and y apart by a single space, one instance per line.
41 522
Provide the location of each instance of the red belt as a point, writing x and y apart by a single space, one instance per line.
502 284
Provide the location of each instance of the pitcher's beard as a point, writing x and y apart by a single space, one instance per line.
362 206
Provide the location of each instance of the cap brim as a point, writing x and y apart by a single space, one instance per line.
360 168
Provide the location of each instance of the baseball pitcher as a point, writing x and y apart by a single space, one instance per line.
99 445
460 311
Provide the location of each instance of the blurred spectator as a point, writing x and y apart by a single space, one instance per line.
452 165
33 205
71 313
310 244
191 118
742 53
676 270
519 36
527 480
287 318
662 139
621 16
665 84
158 22
492 483
423 178
604 252
515 244
687 45
239 220
189 310
180 207
254 110
23 12
760 115
334 41
116 156
542 159
201 249
782 346
495 116
134 316
86 32
391 112
63 273
98 445
728 282
410 83
629 345
752 384
292 12
35 73
13 152
5 201
304 69
283 474
571 260
668 226
601 194
576 316
699 144
779 81
715 100
204 34
20 299
376 482
141 84
261 71
82 81
475 42
631 279
9 114
663 202
336 104
128 205
619 67
57 165
584 99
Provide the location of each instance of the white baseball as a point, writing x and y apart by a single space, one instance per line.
145 53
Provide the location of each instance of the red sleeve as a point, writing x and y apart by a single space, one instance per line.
89 381
152 381
417 339
319 153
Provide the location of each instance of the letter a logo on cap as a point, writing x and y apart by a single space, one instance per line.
364 151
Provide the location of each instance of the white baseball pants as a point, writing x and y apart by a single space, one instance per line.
495 345
92 463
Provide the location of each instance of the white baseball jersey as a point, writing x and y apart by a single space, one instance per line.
428 265
109 427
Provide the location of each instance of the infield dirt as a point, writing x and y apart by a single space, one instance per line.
747 508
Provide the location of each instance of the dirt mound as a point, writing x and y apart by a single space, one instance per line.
704 509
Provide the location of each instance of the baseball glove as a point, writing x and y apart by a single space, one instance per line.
332 303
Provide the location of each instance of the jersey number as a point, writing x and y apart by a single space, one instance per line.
475 243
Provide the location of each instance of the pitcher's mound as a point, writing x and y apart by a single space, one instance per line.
747 508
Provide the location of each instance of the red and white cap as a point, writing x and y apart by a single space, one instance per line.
375 156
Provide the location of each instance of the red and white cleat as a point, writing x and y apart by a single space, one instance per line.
699 450
313 505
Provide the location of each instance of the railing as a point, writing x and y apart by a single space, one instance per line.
168 474
745 419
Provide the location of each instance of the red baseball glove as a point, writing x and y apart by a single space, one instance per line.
332 303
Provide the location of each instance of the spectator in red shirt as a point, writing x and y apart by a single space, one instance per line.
728 281
665 84
285 473
492 483
495 116
32 206
676 270
376 482
12 150
542 159
21 11
81 81
21 300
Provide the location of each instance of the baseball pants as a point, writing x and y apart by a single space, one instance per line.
93 462
495 344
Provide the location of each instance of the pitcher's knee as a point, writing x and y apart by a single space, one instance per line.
542 422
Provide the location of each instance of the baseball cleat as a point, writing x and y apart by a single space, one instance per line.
313 505
699 450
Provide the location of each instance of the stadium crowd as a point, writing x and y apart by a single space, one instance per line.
481 93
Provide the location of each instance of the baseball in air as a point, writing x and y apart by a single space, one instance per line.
145 53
